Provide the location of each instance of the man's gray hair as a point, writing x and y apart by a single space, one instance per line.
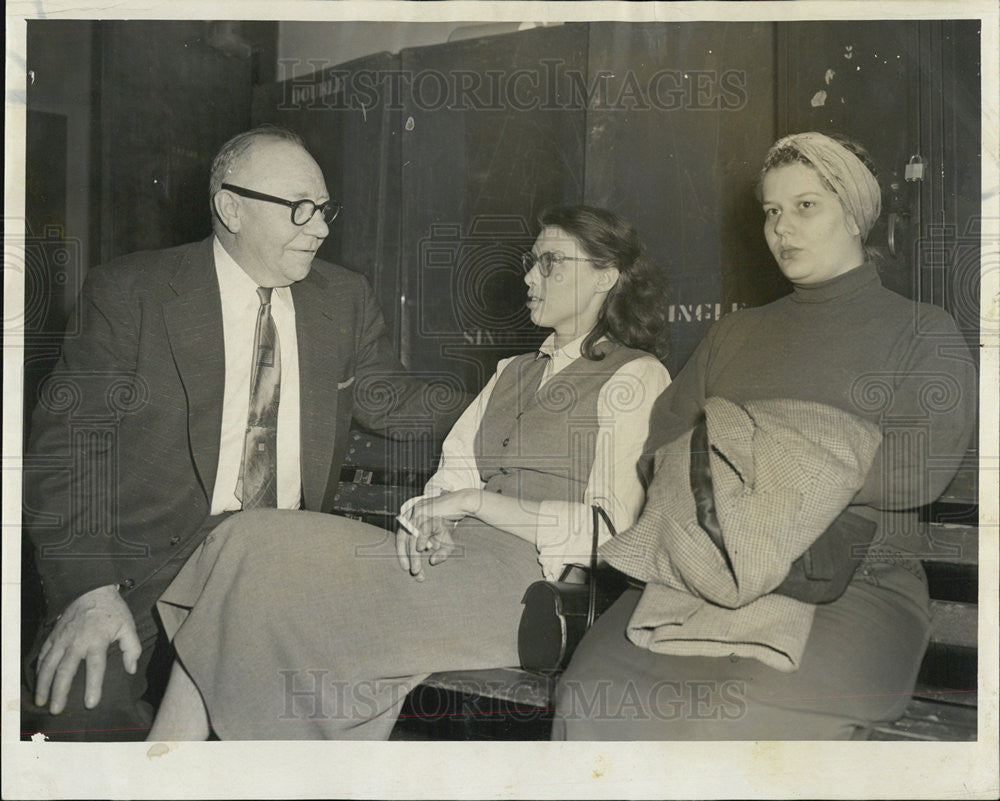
231 152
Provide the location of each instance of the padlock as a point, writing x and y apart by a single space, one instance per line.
915 169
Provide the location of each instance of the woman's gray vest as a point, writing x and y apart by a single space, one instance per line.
539 444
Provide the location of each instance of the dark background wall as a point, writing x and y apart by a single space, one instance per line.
680 159
444 154
664 123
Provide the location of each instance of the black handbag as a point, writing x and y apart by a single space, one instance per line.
557 614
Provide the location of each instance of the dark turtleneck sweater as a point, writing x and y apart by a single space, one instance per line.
853 344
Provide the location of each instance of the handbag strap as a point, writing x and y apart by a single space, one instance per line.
598 513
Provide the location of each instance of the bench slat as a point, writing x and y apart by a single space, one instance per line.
964 487
950 542
370 499
387 456
954 623
920 731
938 712
956 544
507 684
958 696
930 720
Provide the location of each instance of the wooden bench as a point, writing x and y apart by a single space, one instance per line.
944 705
482 704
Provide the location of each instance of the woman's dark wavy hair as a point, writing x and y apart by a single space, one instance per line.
634 313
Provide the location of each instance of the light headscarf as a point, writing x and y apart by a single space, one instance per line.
844 172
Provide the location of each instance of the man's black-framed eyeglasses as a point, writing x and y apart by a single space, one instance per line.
546 261
302 210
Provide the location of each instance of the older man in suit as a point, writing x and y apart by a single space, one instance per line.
206 379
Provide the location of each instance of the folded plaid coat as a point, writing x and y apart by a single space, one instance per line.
782 471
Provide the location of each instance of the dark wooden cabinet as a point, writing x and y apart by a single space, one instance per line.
169 97
664 123
674 144
476 172
354 136
444 156
908 91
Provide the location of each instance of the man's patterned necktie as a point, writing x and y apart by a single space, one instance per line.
258 484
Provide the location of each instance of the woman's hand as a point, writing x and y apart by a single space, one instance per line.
433 519
452 506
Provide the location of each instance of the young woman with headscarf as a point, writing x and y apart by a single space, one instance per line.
843 341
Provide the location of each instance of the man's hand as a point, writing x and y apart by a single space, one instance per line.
84 631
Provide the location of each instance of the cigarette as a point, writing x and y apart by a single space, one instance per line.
411 529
